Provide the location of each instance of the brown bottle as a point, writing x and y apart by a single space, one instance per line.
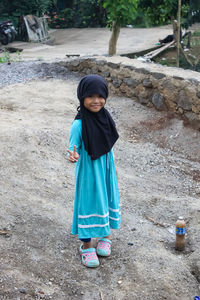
180 234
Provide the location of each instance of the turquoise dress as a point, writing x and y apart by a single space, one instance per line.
97 203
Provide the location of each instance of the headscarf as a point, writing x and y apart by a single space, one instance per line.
98 128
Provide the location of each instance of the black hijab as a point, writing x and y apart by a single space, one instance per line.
98 128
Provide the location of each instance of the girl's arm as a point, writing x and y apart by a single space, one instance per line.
75 141
73 155
114 164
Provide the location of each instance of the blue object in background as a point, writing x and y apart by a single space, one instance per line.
196 298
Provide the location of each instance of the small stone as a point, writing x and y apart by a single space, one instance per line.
183 101
178 77
119 282
130 244
180 110
75 63
157 75
130 82
100 62
198 94
106 74
158 101
117 83
23 291
113 65
142 100
194 81
147 83
142 71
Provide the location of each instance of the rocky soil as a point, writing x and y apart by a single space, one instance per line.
158 161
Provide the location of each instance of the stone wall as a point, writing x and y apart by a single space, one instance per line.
164 88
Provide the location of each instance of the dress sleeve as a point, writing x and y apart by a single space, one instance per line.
75 136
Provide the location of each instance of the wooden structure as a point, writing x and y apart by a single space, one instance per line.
37 28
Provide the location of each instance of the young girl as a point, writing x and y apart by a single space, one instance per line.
92 136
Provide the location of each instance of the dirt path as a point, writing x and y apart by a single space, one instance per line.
158 160
91 41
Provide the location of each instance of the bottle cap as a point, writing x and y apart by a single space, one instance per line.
180 218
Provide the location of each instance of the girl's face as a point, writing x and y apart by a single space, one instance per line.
94 103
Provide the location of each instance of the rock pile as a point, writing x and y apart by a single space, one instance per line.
166 89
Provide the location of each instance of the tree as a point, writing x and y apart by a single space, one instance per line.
89 13
194 12
13 9
162 11
178 45
23 7
119 13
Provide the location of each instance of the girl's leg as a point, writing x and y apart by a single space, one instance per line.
87 243
104 246
88 254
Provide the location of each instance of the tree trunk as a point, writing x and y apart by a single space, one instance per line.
113 40
179 28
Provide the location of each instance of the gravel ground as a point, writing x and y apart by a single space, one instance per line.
19 72
158 161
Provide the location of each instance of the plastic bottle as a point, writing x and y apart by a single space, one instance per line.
180 234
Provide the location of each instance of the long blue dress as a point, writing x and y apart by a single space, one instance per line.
97 202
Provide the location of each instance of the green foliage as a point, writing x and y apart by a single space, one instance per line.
13 9
160 12
196 33
89 13
25 7
83 13
64 19
6 57
141 21
194 12
98 13
121 12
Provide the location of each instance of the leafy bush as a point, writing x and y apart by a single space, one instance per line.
64 19
6 57
13 9
89 13
160 12
24 7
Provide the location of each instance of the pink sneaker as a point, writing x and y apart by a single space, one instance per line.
89 257
104 247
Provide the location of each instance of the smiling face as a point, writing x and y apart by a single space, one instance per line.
94 103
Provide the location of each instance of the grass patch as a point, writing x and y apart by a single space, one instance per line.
5 57
168 58
196 33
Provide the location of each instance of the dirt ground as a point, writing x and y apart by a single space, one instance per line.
91 41
158 160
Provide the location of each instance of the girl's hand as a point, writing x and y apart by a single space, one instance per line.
73 155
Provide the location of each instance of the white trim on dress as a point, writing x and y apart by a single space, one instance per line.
94 225
93 215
